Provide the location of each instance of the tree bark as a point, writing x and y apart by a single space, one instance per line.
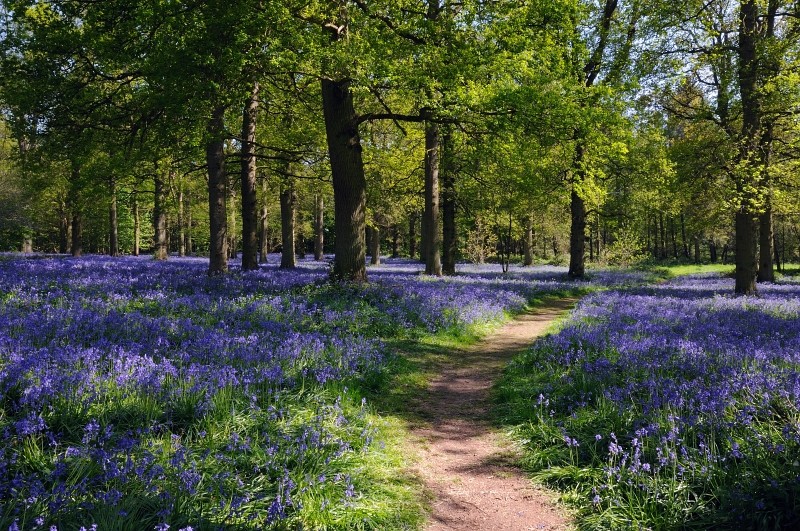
746 248
349 184
766 235
181 223
217 194
319 228
77 233
263 224
449 234
375 246
431 236
137 225
113 225
528 243
248 178
188 201
577 237
395 241
63 226
159 219
697 249
288 213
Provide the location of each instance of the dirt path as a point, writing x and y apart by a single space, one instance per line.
463 461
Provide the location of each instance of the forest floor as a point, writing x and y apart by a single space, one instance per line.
467 467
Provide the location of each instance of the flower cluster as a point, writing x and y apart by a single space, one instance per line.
138 391
683 399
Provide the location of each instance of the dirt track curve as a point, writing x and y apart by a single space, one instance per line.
466 465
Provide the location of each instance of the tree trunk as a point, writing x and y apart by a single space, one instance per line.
113 225
188 200
319 228
577 239
766 271
63 226
431 235
712 251
375 246
233 246
137 225
449 235
288 213
746 244
77 234
683 236
412 235
159 219
778 263
263 224
528 243
181 223
349 184
217 194
248 178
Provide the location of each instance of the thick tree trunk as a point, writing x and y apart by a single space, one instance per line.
217 194
412 235
319 228
349 184
449 235
712 251
159 219
137 225
746 255
528 242
577 235
375 246
766 271
288 213
113 225
248 178
577 238
431 235
263 224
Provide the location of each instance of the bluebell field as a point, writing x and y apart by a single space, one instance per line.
672 406
143 395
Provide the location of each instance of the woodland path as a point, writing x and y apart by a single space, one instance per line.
467 467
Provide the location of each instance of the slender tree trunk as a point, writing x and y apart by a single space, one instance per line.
778 263
263 224
188 201
248 178
288 213
300 245
712 251
412 235
673 237
431 235
137 225
528 243
63 227
113 225
349 184
375 246
217 194
319 228
159 219
181 223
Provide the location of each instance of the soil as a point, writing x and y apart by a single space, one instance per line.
466 465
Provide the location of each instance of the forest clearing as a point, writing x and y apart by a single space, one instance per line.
414 264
